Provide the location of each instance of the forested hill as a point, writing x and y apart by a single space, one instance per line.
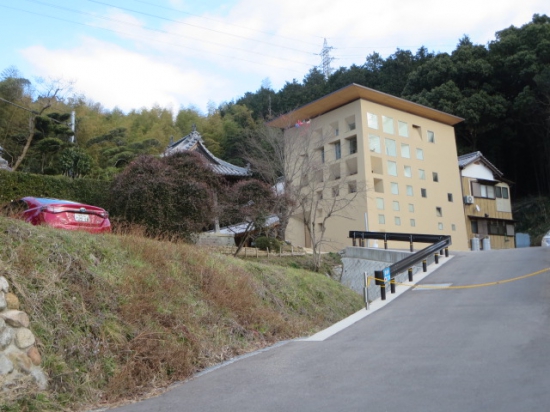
501 89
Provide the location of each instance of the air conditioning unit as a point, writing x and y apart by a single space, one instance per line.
469 200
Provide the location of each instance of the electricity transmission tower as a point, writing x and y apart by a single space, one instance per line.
326 59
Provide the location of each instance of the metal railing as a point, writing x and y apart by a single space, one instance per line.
439 244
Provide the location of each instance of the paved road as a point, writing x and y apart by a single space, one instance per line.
483 349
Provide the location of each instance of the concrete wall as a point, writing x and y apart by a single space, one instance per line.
358 260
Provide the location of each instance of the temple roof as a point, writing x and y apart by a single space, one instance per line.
193 142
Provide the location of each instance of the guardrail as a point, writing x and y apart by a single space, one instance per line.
440 243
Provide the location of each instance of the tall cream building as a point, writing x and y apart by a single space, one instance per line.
396 160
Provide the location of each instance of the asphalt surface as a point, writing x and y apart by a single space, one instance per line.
472 349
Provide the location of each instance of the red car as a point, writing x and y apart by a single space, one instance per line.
61 214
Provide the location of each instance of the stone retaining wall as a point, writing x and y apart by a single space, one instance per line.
19 357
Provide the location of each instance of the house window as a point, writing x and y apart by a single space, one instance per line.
392 168
435 177
431 137
372 120
387 124
450 197
381 219
337 150
438 212
486 191
380 203
407 171
423 192
405 150
394 188
411 208
395 205
497 227
501 192
390 147
421 174
374 143
403 129
397 221
419 154
413 223
410 190
352 145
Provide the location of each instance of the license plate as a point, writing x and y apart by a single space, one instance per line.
79 217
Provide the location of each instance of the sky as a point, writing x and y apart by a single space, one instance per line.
134 54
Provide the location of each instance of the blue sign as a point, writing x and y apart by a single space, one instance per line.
387 274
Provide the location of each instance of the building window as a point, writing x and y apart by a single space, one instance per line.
395 204
337 150
497 227
411 207
394 188
352 145
387 124
423 192
438 212
380 203
474 226
419 154
440 226
352 187
413 223
372 120
392 168
350 123
335 191
410 190
403 129
431 137
486 191
501 192
374 143
421 174
378 185
397 221
450 197
407 171
320 195
405 151
435 177
381 219
335 129
390 148
322 154
453 227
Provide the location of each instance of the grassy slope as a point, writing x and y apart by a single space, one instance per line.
118 316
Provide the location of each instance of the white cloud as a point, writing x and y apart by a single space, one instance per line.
114 76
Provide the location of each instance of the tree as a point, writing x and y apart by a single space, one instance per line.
308 190
248 202
172 197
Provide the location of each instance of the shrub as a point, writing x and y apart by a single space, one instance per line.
268 242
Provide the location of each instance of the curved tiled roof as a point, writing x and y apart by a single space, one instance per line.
193 142
468 158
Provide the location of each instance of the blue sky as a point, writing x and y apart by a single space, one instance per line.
175 53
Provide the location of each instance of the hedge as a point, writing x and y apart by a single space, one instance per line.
15 185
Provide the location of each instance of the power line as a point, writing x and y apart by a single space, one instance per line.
230 24
156 41
161 31
197 26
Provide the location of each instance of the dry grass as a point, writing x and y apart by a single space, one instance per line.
119 316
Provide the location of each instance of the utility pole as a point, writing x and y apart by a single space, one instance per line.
326 59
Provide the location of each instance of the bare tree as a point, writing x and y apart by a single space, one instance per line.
310 188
